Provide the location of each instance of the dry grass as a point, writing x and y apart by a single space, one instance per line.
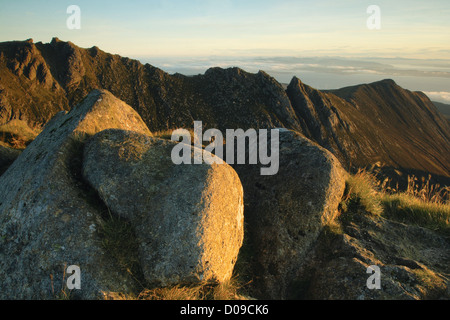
423 190
422 204
407 208
18 134
63 293
206 291
361 191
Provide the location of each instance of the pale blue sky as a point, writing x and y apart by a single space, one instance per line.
413 29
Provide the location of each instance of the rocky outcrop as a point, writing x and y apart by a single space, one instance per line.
286 212
29 63
47 221
322 120
238 99
72 69
188 219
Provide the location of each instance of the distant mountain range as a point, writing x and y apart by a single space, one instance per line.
362 125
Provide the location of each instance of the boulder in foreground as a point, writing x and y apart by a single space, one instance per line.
286 212
188 219
47 221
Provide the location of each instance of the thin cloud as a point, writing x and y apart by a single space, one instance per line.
442 96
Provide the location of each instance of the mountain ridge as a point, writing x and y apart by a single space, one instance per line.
362 125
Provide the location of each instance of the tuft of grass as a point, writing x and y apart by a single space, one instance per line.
422 204
361 192
229 290
164 134
64 293
120 242
432 286
422 189
205 291
172 293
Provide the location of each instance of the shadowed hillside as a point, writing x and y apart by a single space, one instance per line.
444 108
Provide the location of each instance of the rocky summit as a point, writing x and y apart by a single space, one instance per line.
88 183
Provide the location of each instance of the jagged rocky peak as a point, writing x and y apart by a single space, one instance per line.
72 61
298 85
95 51
26 60
264 77
264 74
55 40
237 72
295 82
225 72
388 81
266 84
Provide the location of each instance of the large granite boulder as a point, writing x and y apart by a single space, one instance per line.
188 218
286 212
47 221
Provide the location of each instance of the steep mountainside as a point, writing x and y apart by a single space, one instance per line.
28 90
378 122
413 133
443 108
